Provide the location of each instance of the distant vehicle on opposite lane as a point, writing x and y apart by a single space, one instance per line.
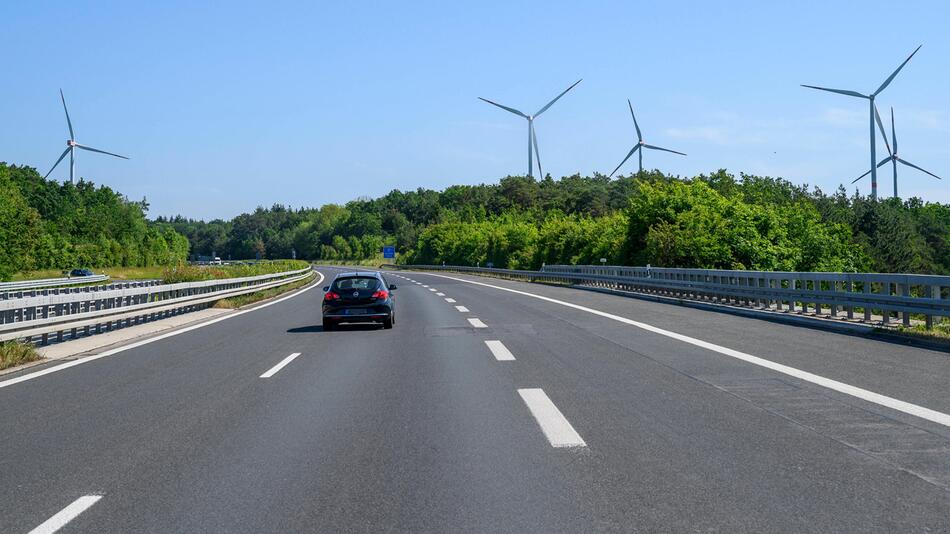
81 272
359 297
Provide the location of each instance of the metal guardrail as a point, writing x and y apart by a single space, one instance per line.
94 308
121 284
874 298
52 282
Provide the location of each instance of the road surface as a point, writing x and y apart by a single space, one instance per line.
492 406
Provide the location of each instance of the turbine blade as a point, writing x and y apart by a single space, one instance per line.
72 136
909 164
57 163
632 150
839 91
551 103
880 125
506 108
534 139
884 161
893 130
100 151
635 125
663 149
891 77
862 176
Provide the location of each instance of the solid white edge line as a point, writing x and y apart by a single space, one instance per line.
499 350
66 515
117 350
841 387
553 424
450 301
273 370
477 323
462 309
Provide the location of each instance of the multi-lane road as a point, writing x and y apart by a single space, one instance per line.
492 406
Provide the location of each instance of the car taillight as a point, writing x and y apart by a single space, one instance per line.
331 296
381 294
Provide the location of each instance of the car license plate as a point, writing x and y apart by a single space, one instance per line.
358 311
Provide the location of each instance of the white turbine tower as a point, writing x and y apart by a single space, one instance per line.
72 145
892 154
532 138
640 144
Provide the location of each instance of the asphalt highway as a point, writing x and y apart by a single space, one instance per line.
492 406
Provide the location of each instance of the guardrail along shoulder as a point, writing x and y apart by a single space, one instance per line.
877 298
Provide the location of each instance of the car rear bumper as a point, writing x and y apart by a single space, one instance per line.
364 318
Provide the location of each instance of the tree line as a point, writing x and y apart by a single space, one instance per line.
48 225
709 221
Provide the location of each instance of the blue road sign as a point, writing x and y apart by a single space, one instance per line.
389 252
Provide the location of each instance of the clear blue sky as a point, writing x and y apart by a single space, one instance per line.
250 103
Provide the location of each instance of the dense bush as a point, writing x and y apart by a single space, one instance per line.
716 220
48 225
677 223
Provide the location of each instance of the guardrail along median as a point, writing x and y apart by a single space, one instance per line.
872 298
88 310
52 282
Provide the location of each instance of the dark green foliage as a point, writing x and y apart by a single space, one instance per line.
48 225
711 223
714 221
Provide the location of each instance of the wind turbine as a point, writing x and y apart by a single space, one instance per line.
892 155
532 138
640 144
871 107
72 145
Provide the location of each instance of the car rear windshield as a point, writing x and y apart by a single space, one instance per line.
356 282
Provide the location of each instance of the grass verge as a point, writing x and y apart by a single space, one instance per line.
176 273
939 334
13 353
195 273
371 262
251 298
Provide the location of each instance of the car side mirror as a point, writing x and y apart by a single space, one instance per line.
326 288
392 287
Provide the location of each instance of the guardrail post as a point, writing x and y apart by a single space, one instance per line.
850 307
806 307
935 293
905 315
886 313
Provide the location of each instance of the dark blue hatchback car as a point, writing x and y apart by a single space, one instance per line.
359 297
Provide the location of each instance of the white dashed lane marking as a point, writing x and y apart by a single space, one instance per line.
273 370
66 515
555 426
499 350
